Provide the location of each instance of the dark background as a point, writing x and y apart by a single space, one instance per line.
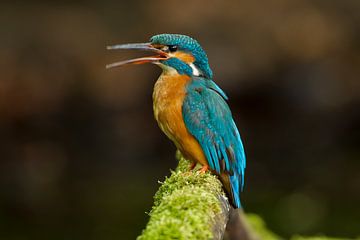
81 153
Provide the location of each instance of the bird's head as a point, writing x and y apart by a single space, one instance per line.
173 52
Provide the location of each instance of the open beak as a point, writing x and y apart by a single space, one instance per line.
161 55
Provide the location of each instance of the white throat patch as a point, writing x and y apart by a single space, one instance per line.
196 71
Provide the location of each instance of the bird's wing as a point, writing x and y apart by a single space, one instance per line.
208 118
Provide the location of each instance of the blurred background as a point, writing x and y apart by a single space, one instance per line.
80 152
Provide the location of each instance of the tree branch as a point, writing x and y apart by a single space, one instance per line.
188 205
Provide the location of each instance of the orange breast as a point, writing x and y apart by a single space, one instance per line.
168 96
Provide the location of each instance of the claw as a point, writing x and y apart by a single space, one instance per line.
192 166
204 169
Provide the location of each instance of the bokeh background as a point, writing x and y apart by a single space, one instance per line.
81 155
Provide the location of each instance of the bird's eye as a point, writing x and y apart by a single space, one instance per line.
172 48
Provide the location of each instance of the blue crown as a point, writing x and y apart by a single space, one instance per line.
187 44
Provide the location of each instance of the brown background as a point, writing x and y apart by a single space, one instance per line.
81 154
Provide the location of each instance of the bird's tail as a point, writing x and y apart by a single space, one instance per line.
232 188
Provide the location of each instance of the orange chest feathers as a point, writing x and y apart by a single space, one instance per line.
168 96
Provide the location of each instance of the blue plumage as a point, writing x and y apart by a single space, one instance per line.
208 118
180 66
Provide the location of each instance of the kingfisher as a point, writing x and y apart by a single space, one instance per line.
192 110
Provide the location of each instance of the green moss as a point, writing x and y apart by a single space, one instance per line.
317 238
185 206
184 164
259 226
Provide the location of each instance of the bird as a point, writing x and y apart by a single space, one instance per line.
192 110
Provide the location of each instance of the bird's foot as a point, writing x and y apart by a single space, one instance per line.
204 169
192 166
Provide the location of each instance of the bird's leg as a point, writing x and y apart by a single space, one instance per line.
192 166
204 169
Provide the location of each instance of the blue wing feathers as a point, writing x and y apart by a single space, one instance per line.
208 118
213 86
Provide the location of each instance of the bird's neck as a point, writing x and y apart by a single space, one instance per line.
168 71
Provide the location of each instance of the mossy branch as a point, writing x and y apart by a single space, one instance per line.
188 205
